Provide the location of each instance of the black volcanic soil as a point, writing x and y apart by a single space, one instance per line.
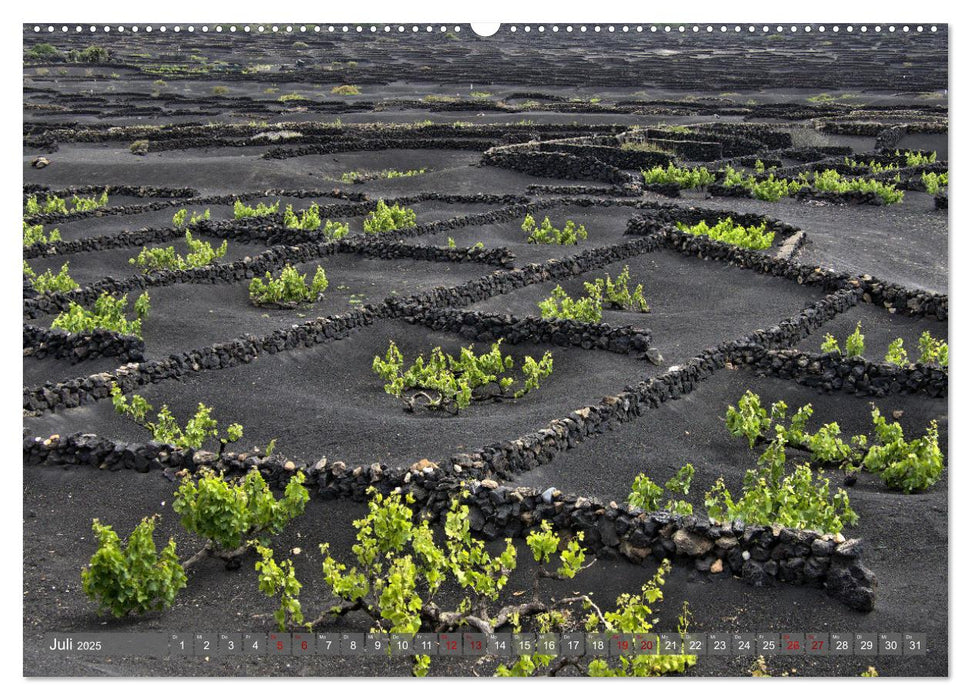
59 505
326 400
88 267
681 292
879 329
187 316
905 243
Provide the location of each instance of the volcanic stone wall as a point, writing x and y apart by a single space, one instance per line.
85 390
476 325
78 347
760 555
556 165
831 372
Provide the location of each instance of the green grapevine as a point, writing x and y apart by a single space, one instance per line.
685 178
934 181
452 383
243 211
290 288
276 579
134 578
915 158
588 309
896 355
35 234
201 253
752 237
907 466
108 314
180 217
545 233
932 350
385 218
399 569
231 513
309 219
47 281
165 429
855 345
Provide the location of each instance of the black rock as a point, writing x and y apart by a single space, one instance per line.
852 585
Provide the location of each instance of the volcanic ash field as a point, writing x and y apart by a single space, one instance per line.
828 156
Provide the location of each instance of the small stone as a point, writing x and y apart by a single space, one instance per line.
851 549
635 554
822 548
489 484
608 533
654 356
755 575
203 457
548 495
40 162
717 567
726 542
746 555
853 585
690 544
423 464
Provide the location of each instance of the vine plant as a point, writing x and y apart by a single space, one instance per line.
586 309
308 220
769 496
201 253
603 291
685 178
400 574
57 205
47 281
727 231
180 217
400 569
909 466
287 290
34 234
388 218
234 516
933 351
108 314
647 495
854 343
545 233
166 430
451 383
244 211
135 577
933 182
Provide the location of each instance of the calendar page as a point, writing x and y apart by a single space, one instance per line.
530 349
